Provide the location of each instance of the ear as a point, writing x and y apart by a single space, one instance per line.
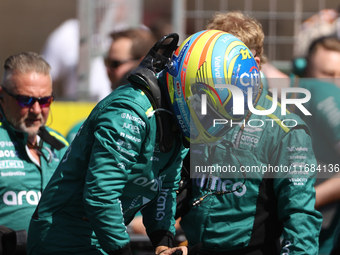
257 58
258 61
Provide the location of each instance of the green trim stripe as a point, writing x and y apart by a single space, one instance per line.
278 103
59 137
148 111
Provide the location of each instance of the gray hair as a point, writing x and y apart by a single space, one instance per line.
24 63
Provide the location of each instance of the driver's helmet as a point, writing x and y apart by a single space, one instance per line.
202 64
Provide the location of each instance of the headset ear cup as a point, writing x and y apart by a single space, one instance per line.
166 134
299 66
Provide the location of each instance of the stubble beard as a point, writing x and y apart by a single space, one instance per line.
31 130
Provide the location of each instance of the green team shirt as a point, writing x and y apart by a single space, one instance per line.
22 179
324 124
260 211
112 169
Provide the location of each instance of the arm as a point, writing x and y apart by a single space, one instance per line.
107 175
296 196
158 217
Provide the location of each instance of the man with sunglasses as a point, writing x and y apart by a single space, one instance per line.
128 48
29 151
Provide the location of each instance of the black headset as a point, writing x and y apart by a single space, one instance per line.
300 64
144 78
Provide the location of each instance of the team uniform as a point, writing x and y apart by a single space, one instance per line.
113 169
253 217
325 120
23 179
324 124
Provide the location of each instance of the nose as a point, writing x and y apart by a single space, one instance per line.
36 108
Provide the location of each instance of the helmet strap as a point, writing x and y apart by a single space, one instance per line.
239 134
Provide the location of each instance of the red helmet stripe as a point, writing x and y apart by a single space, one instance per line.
186 60
206 48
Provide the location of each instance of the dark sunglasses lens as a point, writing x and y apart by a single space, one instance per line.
46 101
25 101
113 63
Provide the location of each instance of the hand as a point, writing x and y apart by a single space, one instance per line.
182 250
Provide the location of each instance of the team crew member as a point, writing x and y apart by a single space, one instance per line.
321 78
320 67
246 213
29 151
115 167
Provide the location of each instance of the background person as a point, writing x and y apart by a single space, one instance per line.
322 62
30 151
61 51
319 74
127 49
324 23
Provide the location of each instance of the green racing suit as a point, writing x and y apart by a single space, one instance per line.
113 169
23 179
268 197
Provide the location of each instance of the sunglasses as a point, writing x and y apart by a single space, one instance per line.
116 63
26 101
